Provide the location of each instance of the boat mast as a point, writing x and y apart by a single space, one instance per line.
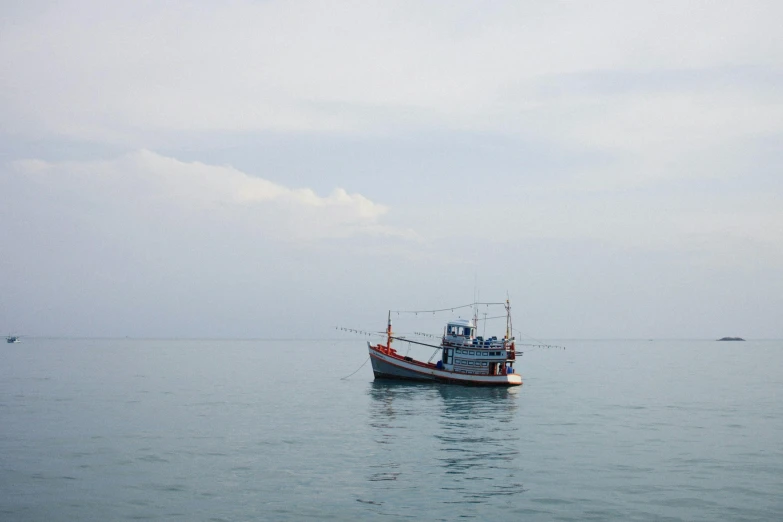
389 332
509 330
508 319
475 318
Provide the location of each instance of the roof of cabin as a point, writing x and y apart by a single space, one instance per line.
461 322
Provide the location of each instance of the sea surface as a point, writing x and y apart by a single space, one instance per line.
269 430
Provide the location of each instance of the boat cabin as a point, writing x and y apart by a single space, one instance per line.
464 352
460 328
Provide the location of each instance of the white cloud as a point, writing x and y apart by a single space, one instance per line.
145 184
149 244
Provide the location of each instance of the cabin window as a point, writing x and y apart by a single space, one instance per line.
484 354
459 331
471 353
483 364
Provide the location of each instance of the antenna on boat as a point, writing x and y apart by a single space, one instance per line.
475 316
475 300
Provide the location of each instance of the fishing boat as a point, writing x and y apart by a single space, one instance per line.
465 357
13 339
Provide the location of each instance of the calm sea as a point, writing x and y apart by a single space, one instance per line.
268 430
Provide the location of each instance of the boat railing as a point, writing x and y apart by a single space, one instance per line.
489 344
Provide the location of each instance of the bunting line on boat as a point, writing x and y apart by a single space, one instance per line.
422 334
449 309
357 331
541 344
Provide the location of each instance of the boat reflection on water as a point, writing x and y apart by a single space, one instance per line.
479 442
481 401
392 402
462 440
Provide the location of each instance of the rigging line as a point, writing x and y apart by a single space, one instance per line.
451 308
529 337
489 318
357 369
415 342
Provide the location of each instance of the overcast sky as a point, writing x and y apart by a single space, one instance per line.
274 169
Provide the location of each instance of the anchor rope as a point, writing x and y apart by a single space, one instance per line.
357 369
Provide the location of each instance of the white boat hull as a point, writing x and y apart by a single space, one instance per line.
387 366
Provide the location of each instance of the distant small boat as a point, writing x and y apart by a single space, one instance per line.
13 339
465 357
731 339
